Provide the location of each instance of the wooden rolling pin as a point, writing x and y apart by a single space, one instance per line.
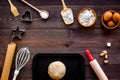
8 61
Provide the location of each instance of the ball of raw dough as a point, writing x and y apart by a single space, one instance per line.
56 70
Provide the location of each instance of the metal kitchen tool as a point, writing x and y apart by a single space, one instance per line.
27 16
17 33
43 13
22 58
67 14
13 9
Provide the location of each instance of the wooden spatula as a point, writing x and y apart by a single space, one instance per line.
67 14
13 9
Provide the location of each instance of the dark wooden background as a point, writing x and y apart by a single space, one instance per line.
50 36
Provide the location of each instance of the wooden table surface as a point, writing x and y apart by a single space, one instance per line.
52 35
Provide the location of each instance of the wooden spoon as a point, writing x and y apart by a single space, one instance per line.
67 14
43 13
13 9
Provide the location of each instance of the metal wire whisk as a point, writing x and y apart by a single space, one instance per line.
22 58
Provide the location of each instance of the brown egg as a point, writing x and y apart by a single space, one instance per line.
111 24
107 16
116 17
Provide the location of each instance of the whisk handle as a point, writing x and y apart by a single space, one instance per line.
15 74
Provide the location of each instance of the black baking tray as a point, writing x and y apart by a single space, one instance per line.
75 66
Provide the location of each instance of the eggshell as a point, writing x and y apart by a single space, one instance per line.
116 17
107 16
111 24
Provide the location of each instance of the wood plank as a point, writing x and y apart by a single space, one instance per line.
89 72
58 2
53 36
55 20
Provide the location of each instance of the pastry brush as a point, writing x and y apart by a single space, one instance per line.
13 9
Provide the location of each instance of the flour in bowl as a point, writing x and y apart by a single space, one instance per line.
87 17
